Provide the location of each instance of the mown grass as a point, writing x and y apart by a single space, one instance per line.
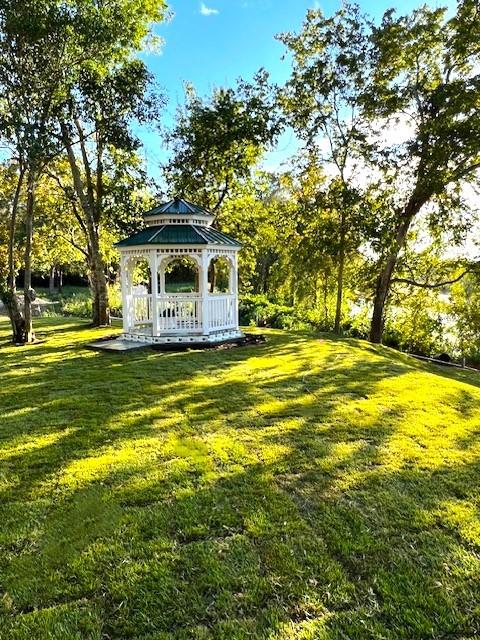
303 489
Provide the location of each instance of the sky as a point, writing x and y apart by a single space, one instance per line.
212 43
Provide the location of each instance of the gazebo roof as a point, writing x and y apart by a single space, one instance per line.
178 234
179 222
178 206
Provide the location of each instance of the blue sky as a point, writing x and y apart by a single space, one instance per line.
214 42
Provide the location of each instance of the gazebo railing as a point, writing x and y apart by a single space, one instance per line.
182 313
140 308
222 311
179 314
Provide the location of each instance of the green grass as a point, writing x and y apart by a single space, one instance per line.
303 489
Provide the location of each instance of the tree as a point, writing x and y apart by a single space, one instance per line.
312 202
57 243
97 119
465 308
256 214
48 60
401 100
426 70
34 60
217 141
322 102
11 181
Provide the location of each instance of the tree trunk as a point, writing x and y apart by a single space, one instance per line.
27 310
266 275
325 298
341 267
51 281
382 288
99 288
9 295
98 282
60 281
381 292
213 276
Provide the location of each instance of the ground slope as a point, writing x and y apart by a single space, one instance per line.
305 488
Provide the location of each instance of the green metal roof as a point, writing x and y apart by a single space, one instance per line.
178 206
178 234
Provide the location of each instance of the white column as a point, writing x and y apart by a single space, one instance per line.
235 288
204 292
161 279
154 281
123 277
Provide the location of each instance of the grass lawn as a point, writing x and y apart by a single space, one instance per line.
303 489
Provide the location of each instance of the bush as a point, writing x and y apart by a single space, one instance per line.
79 305
257 310
77 301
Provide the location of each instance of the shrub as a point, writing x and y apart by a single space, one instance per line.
257 310
77 301
79 305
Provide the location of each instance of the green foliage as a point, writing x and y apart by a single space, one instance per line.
217 141
257 310
356 86
466 312
77 301
419 326
284 491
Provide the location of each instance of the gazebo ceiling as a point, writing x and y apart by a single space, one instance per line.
179 234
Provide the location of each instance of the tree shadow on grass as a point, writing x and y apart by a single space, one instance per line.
257 553
211 499
77 406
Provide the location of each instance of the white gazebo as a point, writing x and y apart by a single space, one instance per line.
179 278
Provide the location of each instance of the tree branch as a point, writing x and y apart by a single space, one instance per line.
436 285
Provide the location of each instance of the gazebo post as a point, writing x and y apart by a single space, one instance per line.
234 282
205 294
154 281
125 292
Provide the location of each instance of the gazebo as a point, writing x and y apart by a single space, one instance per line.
179 278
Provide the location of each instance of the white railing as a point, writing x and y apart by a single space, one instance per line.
222 311
140 308
179 313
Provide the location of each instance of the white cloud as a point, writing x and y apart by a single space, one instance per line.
207 11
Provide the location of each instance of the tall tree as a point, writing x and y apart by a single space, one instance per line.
218 140
11 182
34 60
49 52
426 71
403 96
96 132
322 101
